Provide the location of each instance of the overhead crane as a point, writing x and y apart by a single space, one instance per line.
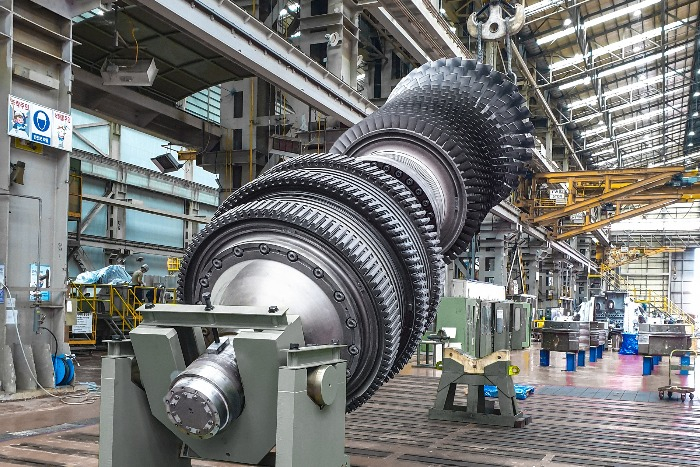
573 203
617 257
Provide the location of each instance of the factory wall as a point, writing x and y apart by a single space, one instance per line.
43 79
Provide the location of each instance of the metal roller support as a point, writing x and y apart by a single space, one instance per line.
208 395
354 241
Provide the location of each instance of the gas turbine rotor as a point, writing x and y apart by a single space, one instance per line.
353 241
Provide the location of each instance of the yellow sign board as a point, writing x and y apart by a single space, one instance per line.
30 146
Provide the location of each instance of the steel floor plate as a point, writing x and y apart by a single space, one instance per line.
569 428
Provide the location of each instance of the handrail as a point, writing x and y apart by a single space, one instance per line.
656 299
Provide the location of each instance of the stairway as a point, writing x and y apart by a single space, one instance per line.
653 299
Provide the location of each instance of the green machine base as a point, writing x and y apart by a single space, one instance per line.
495 370
294 395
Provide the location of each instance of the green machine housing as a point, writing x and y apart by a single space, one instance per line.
483 327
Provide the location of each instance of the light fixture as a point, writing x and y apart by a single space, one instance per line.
690 144
630 41
647 128
691 133
600 122
573 84
696 94
442 11
542 6
695 114
567 21
555 36
631 154
604 152
166 163
587 117
596 21
678 159
637 12
641 61
128 72
638 118
593 131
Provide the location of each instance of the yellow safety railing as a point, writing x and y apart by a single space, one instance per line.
173 265
653 298
120 302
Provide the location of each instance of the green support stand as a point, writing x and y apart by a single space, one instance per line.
495 369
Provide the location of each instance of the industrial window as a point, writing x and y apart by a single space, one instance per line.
319 7
399 69
238 104
490 264
319 52
237 139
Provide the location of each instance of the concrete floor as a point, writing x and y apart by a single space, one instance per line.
46 432
613 371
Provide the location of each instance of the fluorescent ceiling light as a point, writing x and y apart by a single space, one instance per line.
593 131
644 100
630 41
617 91
587 117
696 94
567 21
582 103
647 128
596 144
631 154
677 159
596 21
556 35
638 118
542 6
631 87
293 7
572 84
602 153
641 61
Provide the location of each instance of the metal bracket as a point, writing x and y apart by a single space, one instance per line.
495 28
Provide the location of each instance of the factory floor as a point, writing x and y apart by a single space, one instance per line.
603 414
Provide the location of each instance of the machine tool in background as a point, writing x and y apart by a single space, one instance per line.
352 244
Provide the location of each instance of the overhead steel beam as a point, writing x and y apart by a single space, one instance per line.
543 102
424 22
619 217
510 213
138 207
131 108
398 32
139 247
632 188
230 31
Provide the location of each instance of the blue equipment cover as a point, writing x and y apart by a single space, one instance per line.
111 275
629 345
521 391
